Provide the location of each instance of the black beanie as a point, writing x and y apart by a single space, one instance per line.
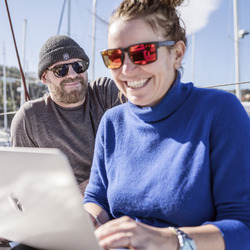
59 48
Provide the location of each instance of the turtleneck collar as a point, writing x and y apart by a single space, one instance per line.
173 99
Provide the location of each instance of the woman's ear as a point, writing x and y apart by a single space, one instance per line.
179 49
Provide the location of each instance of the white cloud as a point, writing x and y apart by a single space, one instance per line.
195 13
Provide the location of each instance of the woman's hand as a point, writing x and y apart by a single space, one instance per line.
126 232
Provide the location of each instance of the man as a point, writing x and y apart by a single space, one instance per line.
68 116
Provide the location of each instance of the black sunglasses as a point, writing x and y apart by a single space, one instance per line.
62 70
140 54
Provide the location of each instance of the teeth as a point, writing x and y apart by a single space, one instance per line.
137 84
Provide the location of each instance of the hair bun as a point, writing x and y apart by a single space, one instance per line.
172 3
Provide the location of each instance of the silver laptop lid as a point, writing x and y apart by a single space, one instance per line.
40 203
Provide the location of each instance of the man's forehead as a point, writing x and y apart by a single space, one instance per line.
66 61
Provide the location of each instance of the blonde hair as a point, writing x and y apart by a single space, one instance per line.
161 15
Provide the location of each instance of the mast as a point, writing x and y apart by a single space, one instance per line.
69 17
22 99
93 40
236 49
193 57
4 91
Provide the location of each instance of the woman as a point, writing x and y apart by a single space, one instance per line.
173 160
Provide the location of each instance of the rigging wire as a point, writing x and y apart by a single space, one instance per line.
27 97
8 113
61 17
226 84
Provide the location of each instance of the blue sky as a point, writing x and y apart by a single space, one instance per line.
210 20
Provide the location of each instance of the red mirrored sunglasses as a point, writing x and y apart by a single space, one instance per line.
140 54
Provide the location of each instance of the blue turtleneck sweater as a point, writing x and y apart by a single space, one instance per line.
183 162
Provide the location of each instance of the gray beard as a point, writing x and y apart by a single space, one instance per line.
59 94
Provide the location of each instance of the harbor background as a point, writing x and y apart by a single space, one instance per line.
209 61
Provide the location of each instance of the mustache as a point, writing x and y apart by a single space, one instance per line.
70 80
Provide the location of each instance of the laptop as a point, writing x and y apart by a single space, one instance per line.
40 203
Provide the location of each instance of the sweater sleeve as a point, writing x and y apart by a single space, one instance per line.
230 166
21 134
96 191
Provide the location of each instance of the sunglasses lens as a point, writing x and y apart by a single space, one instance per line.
61 70
143 53
80 67
112 58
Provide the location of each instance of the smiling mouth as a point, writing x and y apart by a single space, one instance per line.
72 84
137 84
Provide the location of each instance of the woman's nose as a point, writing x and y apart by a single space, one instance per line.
128 66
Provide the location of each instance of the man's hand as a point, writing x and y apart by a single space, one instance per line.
4 242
